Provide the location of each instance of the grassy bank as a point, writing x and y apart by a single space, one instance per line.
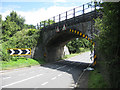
96 80
19 62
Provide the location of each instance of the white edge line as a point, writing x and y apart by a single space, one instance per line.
21 80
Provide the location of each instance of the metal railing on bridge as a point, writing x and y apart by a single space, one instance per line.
81 10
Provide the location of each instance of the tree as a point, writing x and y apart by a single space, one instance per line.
75 45
108 40
13 17
11 25
26 26
8 29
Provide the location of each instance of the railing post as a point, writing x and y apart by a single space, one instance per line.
66 15
83 9
59 17
54 19
95 8
40 25
44 23
49 21
74 12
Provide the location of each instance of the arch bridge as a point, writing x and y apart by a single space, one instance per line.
57 31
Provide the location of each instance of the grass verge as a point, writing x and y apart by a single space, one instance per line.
19 62
96 80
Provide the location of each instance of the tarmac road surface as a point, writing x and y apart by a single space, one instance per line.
60 74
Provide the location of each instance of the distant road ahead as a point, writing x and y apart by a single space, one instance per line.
61 74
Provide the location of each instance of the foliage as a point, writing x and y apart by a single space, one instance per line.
4 55
17 19
11 25
75 44
19 40
96 80
14 36
8 29
26 26
31 31
108 43
46 22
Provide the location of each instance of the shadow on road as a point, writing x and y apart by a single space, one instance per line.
76 68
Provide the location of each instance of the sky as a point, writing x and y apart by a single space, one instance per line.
35 11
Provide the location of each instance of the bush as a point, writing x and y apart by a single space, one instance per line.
19 40
78 45
31 32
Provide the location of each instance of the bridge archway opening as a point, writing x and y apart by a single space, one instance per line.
55 46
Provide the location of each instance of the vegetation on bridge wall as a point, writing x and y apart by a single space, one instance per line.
108 41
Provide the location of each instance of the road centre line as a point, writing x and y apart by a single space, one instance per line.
21 80
59 74
7 78
44 83
61 67
68 69
53 78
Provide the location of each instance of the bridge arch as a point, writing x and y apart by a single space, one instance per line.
51 46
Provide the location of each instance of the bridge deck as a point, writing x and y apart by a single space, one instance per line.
72 21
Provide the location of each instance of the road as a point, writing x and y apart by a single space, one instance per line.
60 74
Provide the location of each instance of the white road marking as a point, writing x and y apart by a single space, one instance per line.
64 72
53 78
22 80
68 69
1 71
59 61
7 78
61 67
59 74
44 83
54 70
58 68
64 66
46 68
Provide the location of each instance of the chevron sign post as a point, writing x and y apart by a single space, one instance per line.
18 52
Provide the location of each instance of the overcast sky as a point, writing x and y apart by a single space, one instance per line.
35 11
